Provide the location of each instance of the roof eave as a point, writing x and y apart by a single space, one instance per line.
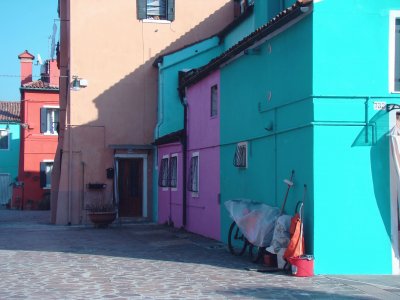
234 51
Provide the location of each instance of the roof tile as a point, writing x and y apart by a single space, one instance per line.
10 111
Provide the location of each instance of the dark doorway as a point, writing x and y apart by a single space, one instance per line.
130 187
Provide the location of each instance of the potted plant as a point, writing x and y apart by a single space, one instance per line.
101 215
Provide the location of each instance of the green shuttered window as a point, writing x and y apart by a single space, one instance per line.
156 10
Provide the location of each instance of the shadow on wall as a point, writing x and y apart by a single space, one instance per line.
30 195
126 114
375 135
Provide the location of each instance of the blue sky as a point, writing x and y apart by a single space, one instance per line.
24 24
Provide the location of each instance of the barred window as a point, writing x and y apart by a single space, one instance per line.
193 185
173 171
163 174
240 158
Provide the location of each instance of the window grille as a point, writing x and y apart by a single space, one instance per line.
163 174
240 158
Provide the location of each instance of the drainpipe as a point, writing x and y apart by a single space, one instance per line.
184 158
160 112
69 152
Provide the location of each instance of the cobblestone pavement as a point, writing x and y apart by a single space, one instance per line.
147 261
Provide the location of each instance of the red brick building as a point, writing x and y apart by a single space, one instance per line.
39 135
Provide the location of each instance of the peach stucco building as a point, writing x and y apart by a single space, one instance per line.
107 48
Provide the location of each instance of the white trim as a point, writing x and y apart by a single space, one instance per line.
51 106
393 15
174 189
394 194
47 160
144 157
156 21
166 156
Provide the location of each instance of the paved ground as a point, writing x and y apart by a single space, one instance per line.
145 261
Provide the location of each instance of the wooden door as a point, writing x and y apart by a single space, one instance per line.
130 187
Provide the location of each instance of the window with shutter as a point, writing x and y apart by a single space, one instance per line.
163 174
49 120
240 157
155 9
4 140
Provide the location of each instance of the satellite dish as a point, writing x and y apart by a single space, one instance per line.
39 60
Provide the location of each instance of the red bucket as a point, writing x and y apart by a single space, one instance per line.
302 266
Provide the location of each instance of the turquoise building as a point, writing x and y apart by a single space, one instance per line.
311 87
312 91
9 148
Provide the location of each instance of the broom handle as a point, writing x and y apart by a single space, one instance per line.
287 192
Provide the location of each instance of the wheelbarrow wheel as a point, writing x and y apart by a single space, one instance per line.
237 242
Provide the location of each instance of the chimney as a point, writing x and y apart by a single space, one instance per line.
26 60
54 72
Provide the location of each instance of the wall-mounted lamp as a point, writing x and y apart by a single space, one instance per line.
75 83
24 125
8 127
78 83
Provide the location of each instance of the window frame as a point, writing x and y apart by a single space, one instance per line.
162 172
195 193
237 153
394 72
214 101
44 128
173 157
43 173
8 139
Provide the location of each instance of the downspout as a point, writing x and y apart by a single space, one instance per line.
69 153
160 112
184 158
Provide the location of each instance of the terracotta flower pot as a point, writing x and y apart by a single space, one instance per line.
102 219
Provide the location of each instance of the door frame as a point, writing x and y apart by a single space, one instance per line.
144 174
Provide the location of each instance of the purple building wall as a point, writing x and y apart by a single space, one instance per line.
203 131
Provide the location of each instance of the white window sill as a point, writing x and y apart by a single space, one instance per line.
156 21
195 194
174 189
164 189
47 187
50 134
